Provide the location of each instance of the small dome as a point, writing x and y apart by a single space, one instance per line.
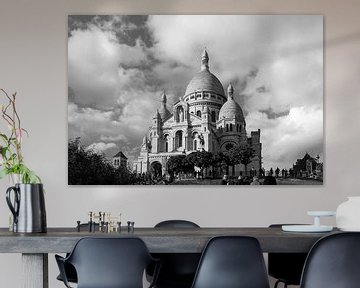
231 109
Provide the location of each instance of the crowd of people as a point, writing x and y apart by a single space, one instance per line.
167 178
249 180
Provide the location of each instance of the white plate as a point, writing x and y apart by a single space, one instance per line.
321 213
350 229
306 228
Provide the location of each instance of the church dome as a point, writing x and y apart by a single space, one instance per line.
205 80
231 109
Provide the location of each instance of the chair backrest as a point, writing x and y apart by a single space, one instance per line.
232 262
333 262
176 224
110 262
178 269
286 266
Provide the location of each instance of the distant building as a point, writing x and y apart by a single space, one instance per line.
119 160
308 167
204 118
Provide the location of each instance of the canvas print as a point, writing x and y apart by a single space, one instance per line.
195 100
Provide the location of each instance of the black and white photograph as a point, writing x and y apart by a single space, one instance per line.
195 100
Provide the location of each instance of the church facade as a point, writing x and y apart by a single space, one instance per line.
204 118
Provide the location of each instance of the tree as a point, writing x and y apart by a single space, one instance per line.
291 172
201 159
176 164
241 154
277 172
86 167
221 160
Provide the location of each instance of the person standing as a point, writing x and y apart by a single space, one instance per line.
240 180
225 180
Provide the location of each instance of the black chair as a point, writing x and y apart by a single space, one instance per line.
69 269
108 263
70 273
286 267
232 262
178 269
333 262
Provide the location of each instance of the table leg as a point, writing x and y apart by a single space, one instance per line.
35 270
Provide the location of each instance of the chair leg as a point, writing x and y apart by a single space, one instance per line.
278 282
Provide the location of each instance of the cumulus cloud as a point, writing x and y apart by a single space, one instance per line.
100 147
287 138
109 98
95 60
94 126
237 44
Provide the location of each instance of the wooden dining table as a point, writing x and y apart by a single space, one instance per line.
35 247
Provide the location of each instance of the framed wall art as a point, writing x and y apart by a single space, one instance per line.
195 99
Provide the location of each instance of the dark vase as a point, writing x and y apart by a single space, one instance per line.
27 207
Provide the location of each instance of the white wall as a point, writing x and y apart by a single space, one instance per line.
33 59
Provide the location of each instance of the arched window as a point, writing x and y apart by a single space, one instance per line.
198 113
195 137
227 127
166 143
178 139
230 127
213 116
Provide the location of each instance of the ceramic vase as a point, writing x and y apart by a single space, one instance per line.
27 204
348 214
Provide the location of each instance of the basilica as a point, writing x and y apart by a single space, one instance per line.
204 118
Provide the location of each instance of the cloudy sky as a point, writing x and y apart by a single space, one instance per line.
118 67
